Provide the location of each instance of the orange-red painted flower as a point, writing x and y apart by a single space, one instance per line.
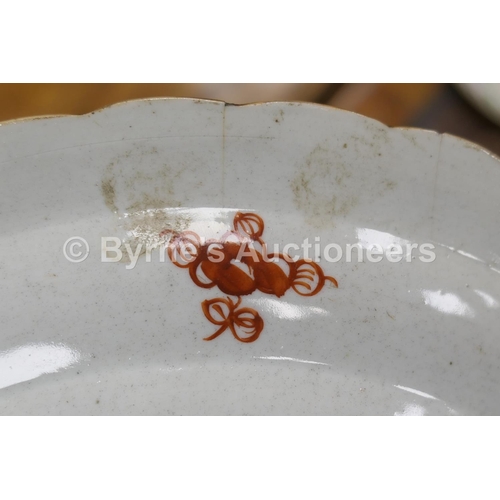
249 224
233 265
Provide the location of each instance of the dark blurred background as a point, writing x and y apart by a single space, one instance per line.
432 106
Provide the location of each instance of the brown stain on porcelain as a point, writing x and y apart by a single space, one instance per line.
321 187
141 195
108 192
329 182
233 265
139 180
389 184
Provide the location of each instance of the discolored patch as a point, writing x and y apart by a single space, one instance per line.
321 187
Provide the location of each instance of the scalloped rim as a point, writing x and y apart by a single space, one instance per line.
466 142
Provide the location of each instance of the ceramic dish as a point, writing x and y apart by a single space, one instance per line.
484 96
407 325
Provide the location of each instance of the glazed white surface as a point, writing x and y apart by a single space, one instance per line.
98 338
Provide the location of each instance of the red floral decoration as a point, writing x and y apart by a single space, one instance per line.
235 266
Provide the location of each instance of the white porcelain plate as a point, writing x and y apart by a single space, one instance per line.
415 332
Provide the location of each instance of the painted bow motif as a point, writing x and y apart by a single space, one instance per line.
238 264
